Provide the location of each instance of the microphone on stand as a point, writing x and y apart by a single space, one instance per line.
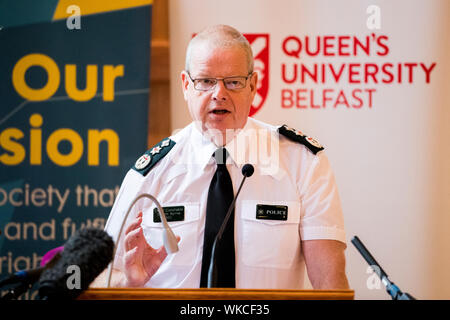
391 288
89 249
169 239
247 171
23 276
26 278
89 252
50 255
31 276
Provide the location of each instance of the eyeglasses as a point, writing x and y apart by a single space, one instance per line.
231 83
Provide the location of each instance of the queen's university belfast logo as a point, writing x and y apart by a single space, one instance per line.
260 47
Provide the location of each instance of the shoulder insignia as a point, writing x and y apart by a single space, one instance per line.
295 135
151 157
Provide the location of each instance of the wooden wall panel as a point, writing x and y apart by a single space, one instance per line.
159 105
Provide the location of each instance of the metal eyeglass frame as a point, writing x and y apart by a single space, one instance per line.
220 79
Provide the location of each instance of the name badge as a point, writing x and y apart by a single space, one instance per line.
271 212
172 214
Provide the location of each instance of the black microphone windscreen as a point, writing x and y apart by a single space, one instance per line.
247 170
89 249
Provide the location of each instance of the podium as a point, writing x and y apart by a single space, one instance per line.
213 294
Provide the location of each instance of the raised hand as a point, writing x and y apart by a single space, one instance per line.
141 261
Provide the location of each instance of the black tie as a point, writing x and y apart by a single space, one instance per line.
220 196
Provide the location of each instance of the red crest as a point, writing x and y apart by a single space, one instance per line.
260 47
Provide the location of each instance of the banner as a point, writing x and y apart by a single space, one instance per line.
74 109
369 81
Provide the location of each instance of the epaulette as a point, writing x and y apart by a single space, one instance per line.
295 135
151 157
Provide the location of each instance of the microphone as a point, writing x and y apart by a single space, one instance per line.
247 171
50 254
89 250
26 278
23 276
169 239
391 288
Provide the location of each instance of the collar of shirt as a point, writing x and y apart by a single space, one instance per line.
239 151
202 147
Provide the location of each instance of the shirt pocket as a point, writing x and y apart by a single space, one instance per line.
270 243
187 230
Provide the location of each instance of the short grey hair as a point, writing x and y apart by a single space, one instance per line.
221 36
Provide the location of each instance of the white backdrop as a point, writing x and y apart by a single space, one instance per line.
390 150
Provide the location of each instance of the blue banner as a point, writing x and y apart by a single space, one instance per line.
73 118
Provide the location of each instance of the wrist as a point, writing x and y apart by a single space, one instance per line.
129 282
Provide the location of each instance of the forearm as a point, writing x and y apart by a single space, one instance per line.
328 280
118 280
325 262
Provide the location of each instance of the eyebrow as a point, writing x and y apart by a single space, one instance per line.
211 77
203 77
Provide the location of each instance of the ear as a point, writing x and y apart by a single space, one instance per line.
184 83
253 83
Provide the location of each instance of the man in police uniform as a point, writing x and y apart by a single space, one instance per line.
288 213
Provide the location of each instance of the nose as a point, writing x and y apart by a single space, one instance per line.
220 93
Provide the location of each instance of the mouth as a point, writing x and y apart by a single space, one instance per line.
219 111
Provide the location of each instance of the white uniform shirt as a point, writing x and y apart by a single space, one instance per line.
268 252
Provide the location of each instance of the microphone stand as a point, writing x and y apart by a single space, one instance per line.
391 288
169 239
